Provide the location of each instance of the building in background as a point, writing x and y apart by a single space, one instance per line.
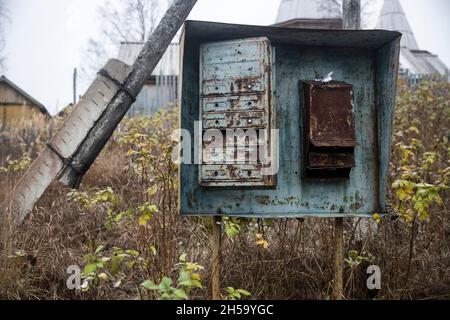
415 64
161 88
309 14
17 106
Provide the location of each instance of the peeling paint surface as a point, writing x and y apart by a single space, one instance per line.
235 93
368 60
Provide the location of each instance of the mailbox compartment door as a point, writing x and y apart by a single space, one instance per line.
235 94
328 129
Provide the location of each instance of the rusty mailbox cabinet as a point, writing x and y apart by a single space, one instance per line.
313 109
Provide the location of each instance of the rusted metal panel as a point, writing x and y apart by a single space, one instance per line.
236 86
329 128
329 113
330 160
241 173
234 175
366 59
237 154
249 102
245 119
235 93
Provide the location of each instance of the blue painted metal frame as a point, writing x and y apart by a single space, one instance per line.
367 59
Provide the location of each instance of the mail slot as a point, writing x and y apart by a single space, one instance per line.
235 94
328 129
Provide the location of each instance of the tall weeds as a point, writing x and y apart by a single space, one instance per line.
123 228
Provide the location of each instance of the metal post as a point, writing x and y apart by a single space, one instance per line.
216 243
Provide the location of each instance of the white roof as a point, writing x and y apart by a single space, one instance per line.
308 9
167 66
422 62
392 17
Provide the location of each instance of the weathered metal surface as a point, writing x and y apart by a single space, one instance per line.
330 160
328 128
329 114
234 120
366 59
238 154
246 173
235 93
249 102
387 62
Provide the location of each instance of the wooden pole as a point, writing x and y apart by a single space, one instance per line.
338 285
351 10
351 20
216 244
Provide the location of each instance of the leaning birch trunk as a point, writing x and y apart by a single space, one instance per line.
146 62
70 153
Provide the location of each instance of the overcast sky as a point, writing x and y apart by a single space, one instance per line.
46 38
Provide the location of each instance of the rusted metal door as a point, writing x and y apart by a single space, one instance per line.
235 106
328 129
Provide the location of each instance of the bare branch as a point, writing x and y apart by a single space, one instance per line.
125 20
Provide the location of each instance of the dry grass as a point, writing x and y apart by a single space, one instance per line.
296 265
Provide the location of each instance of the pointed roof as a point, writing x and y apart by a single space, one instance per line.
393 18
308 10
11 84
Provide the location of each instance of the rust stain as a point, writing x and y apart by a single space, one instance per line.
329 129
234 97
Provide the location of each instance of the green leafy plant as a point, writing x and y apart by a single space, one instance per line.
19 165
414 195
105 200
146 211
232 226
235 294
188 278
355 258
100 267
421 173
